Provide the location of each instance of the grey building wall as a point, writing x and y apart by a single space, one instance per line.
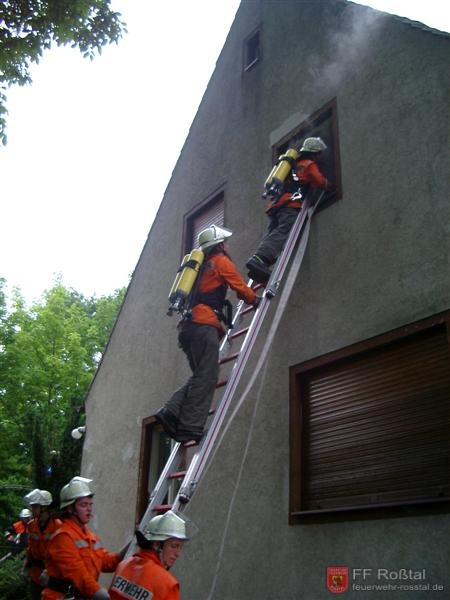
376 260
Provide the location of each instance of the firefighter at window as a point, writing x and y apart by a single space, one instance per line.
184 416
286 201
146 573
75 555
40 529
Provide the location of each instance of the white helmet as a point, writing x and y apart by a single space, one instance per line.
78 487
37 496
212 236
25 513
313 144
163 527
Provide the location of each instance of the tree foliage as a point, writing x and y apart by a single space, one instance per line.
48 356
28 27
12 585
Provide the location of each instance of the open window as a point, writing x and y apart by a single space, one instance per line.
321 124
370 424
252 50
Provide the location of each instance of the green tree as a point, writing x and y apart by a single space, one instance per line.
48 356
28 27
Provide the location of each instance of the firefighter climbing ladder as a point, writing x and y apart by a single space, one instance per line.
191 477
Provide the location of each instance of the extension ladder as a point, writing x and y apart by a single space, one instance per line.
191 477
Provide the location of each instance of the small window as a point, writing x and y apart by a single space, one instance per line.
252 50
370 425
209 212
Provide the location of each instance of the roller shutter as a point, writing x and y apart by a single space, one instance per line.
376 426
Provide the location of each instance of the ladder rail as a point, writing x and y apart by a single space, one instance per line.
200 458
162 485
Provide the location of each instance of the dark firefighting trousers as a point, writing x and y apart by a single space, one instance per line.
280 224
190 404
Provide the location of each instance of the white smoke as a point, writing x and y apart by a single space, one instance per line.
351 40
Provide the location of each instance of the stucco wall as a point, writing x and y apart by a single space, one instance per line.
376 260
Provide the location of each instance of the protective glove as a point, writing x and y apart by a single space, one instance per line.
101 594
44 579
256 302
25 573
123 550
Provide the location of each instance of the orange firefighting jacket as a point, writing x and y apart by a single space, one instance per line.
218 272
19 527
307 172
37 545
75 554
143 577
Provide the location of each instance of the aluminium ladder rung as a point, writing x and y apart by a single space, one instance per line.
189 444
200 457
247 310
177 474
162 507
238 333
228 358
258 286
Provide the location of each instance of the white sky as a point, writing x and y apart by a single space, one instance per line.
89 154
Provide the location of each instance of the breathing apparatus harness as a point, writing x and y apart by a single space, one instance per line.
214 299
275 183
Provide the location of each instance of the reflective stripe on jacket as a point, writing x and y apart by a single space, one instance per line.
75 554
219 271
38 540
307 173
143 577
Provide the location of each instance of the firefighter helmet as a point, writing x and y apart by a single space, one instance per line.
37 496
313 144
212 236
163 527
25 513
78 487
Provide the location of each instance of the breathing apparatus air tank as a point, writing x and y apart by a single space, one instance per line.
184 280
273 185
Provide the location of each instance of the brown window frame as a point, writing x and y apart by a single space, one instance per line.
313 370
149 430
189 218
322 123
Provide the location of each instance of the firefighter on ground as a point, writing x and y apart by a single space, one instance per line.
282 211
75 555
145 575
17 533
40 529
183 417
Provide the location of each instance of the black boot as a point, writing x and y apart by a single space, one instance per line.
258 269
167 420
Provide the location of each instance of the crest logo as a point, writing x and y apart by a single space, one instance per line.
337 579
